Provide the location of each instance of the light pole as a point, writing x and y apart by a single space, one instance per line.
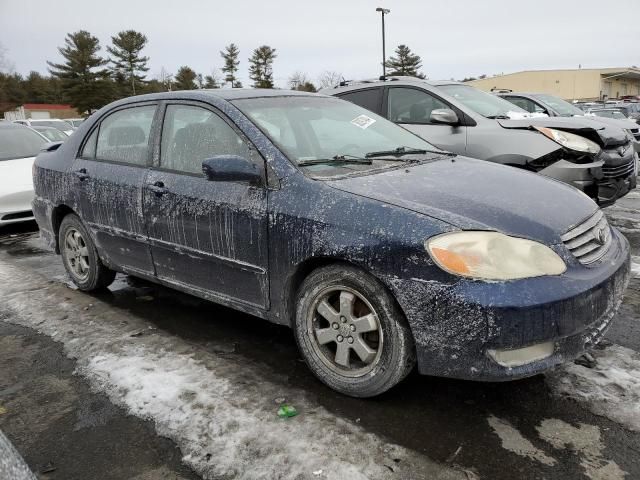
383 11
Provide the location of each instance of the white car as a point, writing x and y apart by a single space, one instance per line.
61 125
18 147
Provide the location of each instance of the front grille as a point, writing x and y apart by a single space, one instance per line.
619 170
590 240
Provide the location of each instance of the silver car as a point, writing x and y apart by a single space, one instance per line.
557 107
596 158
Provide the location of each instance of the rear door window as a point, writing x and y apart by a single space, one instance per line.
124 135
371 98
410 105
191 134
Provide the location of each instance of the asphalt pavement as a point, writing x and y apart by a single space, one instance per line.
142 382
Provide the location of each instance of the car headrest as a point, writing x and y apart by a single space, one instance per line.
124 136
418 112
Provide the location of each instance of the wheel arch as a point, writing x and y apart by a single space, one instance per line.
57 215
306 267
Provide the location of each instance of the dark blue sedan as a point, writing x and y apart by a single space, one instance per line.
377 248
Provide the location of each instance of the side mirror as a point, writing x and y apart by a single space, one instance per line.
231 168
444 116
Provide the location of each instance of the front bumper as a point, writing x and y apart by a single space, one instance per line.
456 326
606 180
16 206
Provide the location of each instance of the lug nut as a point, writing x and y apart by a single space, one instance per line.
352 328
343 319
350 339
335 326
340 338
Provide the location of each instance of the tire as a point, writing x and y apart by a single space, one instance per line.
80 257
356 309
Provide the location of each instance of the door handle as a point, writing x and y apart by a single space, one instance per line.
81 174
158 188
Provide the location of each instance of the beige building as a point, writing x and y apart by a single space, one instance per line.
580 84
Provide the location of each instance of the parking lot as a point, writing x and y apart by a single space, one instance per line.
144 382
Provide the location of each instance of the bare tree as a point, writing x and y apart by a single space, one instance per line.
297 79
6 65
165 79
329 79
214 80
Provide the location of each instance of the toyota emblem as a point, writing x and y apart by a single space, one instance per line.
601 235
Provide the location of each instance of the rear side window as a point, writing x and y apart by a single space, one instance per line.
191 134
409 105
124 135
370 99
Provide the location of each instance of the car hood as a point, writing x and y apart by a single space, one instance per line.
607 136
476 195
614 122
16 174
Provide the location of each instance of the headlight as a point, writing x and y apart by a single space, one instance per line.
630 134
493 256
570 140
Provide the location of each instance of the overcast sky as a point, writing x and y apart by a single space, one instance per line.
455 38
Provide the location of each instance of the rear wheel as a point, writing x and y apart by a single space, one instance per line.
80 256
351 333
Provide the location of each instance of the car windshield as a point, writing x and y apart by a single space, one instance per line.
609 114
481 102
60 125
564 108
19 143
52 134
311 129
625 110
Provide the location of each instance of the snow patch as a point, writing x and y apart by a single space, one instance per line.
219 409
584 440
513 441
635 267
610 389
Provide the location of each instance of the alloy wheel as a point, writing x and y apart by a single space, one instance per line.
345 331
76 254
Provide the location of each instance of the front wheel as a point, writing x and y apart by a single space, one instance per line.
80 256
351 332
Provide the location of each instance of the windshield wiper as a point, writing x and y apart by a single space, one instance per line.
397 152
400 151
335 159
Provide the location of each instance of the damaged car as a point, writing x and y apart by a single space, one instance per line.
379 250
596 158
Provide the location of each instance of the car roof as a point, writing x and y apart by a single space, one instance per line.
5 124
395 80
228 94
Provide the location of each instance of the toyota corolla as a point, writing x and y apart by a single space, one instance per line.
377 248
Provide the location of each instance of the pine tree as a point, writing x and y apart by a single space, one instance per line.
405 63
126 59
231 63
261 66
86 85
185 79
